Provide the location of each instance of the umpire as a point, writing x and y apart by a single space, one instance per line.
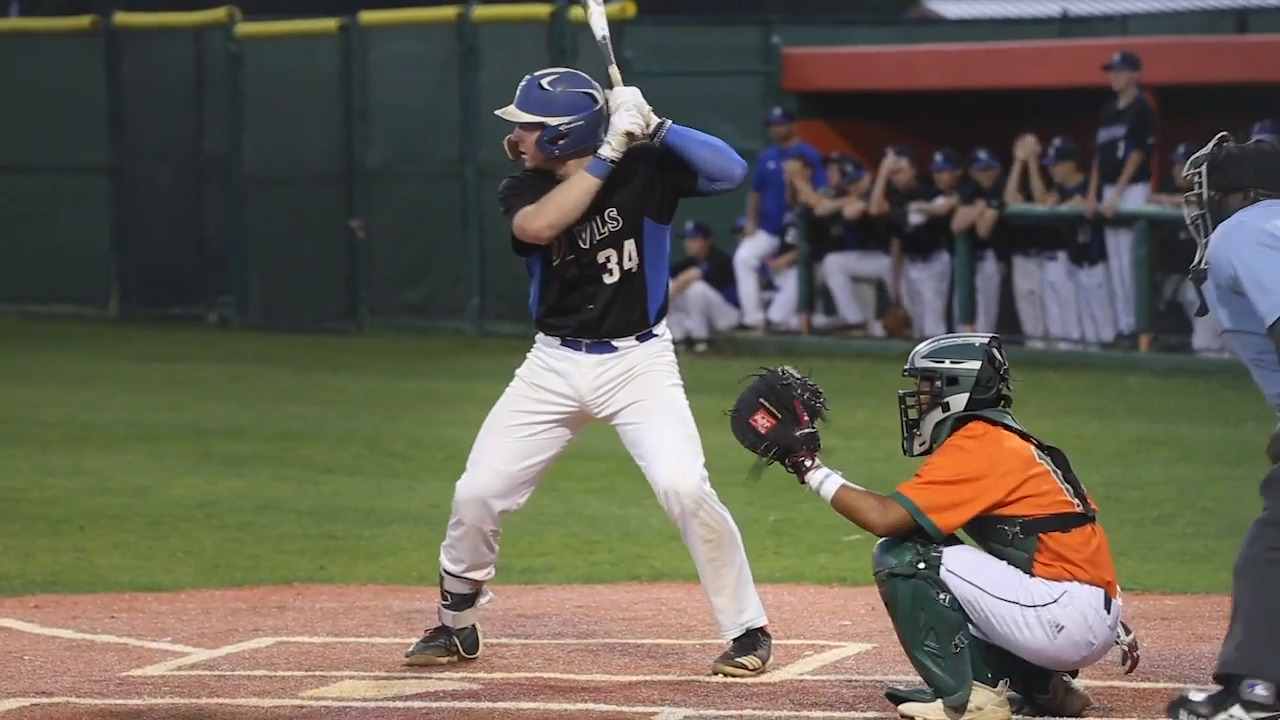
1122 170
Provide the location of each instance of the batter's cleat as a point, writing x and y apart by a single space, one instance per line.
748 655
985 703
443 645
1243 699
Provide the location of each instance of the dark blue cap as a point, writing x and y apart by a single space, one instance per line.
983 159
1182 152
697 228
851 169
779 116
945 159
1061 149
1124 60
1265 130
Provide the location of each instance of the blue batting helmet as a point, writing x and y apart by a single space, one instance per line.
568 103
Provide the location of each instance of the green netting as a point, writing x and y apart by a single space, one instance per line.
420 266
55 241
171 103
297 183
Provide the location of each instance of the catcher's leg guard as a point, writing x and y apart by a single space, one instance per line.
458 635
932 627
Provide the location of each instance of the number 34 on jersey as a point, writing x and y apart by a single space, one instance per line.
614 265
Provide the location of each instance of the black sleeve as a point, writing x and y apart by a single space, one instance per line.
718 272
1142 131
515 193
967 192
682 264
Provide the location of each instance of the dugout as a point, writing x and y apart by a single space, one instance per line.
858 99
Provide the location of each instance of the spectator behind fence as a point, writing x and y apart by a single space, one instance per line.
1175 249
861 256
918 214
981 195
767 205
703 297
1122 172
1087 244
1045 245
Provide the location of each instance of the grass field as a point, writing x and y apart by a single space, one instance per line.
149 457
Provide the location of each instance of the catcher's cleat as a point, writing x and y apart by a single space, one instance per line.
748 655
985 703
1247 699
443 645
923 694
1063 698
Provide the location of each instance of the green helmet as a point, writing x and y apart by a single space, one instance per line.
954 373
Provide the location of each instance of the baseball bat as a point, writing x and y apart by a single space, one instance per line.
599 23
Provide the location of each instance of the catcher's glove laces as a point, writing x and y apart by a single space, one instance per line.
775 417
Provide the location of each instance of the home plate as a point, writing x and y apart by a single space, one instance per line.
382 689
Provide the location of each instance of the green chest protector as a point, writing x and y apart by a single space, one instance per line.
1016 539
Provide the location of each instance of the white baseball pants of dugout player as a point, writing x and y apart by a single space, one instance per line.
1062 316
1027 269
842 270
700 312
926 283
1120 255
988 277
750 254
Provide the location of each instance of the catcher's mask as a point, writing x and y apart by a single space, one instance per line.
953 373
1223 177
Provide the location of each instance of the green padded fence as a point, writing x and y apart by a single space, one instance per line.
55 186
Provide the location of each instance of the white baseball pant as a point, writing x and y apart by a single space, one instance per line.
1119 241
1057 625
1097 312
987 279
699 312
1206 333
638 390
925 286
844 270
1028 297
750 254
1061 303
784 308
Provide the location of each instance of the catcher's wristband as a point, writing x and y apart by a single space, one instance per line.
825 482
660 131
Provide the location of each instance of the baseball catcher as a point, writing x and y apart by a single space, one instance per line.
999 626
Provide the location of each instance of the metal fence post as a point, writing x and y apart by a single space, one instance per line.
559 37
233 198
1143 292
469 144
357 110
804 229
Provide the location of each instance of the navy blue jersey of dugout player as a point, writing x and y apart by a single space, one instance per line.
606 276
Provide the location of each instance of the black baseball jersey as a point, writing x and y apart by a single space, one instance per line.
1122 130
717 271
1086 239
1174 246
606 276
922 240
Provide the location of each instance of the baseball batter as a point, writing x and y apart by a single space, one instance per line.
1024 608
1233 211
590 215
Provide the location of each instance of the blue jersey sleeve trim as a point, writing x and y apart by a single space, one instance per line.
656 260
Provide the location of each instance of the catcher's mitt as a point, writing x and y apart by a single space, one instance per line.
897 322
776 417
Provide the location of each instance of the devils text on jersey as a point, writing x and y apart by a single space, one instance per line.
605 277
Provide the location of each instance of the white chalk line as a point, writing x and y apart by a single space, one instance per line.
600 678
7 704
813 662
168 667
665 713
62 633
313 639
